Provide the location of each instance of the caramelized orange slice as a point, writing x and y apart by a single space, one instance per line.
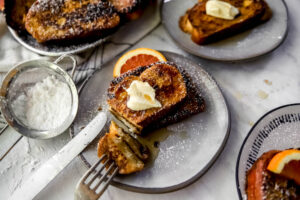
286 164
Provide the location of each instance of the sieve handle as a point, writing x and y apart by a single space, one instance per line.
70 57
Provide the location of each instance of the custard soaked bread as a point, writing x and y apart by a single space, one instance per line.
262 184
70 19
127 152
170 91
173 89
126 6
15 13
205 28
130 9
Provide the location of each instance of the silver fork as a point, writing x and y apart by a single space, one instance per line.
88 186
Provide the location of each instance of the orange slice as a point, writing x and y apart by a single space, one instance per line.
1 5
136 58
286 164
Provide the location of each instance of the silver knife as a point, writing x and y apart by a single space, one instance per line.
48 171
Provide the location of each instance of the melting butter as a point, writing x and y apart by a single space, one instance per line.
152 141
141 96
221 9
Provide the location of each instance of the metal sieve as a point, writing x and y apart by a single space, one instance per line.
25 75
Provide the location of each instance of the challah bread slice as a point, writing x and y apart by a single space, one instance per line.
70 19
206 29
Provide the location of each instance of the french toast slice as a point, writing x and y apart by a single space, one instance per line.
127 152
15 13
206 29
174 90
262 184
49 20
192 104
170 90
125 6
129 9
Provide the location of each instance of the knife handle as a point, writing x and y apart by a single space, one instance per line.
52 167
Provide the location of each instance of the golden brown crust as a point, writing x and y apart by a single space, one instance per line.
192 104
205 29
16 11
127 152
262 184
125 6
70 19
256 176
66 20
169 87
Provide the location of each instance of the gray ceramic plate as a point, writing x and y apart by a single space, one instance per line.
278 129
52 49
247 45
186 149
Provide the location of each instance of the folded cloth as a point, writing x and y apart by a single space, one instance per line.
11 52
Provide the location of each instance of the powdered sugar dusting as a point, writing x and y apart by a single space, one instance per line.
190 144
44 106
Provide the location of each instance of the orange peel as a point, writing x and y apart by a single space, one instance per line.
136 58
278 162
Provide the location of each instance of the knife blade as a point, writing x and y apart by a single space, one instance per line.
52 167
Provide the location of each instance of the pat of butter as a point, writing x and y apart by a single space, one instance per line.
141 96
221 9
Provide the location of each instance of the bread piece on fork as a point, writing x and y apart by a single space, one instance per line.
123 149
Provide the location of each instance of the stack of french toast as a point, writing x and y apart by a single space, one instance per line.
65 20
178 96
174 90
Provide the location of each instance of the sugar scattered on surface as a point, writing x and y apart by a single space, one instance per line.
27 146
181 151
44 106
6 168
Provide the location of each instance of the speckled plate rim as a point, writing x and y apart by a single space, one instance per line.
249 58
246 139
192 179
49 53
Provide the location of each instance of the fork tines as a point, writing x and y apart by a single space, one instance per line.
91 182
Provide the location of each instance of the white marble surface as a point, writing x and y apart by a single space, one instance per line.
242 84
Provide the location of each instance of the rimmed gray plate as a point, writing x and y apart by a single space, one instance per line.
53 49
277 129
186 149
247 45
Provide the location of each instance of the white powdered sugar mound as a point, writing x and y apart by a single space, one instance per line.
44 106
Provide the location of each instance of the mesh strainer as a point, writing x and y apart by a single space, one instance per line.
20 79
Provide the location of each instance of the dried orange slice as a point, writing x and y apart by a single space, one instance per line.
136 58
287 164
